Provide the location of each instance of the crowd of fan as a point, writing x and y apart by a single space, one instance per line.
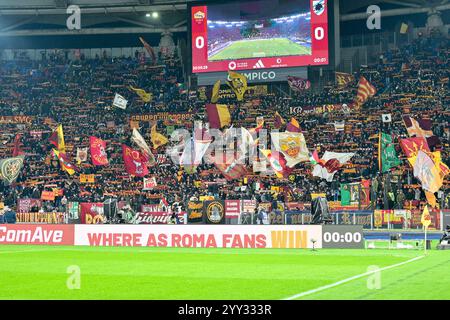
78 94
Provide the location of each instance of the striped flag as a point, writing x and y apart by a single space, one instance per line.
64 161
218 115
365 91
343 79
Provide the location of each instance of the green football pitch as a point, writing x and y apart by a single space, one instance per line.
260 48
38 272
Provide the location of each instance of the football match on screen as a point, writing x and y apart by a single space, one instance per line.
222 158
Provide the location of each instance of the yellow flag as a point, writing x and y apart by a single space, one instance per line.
238 82
145 96
61 144
215 92
157 138
431 198
426 217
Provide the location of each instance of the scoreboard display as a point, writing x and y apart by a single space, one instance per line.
259 34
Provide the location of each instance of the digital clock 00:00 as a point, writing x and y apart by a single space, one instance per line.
342 236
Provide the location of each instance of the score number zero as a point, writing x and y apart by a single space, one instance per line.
319 34
348 237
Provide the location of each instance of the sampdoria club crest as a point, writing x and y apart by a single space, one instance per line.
319 6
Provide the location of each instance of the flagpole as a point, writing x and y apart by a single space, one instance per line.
426 228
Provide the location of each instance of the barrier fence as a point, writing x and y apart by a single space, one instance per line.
368 219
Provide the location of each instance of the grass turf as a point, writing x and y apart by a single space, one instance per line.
260 48
38 272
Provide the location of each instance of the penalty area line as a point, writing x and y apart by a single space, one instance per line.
335 284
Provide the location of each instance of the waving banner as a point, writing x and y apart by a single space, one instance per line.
298 84
98 151
135 162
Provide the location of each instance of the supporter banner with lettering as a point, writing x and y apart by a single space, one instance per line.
200 236
41 217
157 218
214 212
232 208
316 109
276 217
48 196
204 93
248 206
98 151
435 214
382 218
195 211
168 117
16 119
363 218
26 205
87 178
91 213
297 217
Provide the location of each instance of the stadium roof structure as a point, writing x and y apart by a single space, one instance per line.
48 17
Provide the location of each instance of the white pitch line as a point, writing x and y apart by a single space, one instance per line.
22 251
335 284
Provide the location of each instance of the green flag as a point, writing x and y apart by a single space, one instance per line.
345 194
387 157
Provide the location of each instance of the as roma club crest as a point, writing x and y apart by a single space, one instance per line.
290 146
215 212
199 17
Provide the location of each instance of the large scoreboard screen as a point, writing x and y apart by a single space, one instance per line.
258 34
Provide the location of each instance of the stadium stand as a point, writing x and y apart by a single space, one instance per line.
78 94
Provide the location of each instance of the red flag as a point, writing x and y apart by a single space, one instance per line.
411 146
135 162
17 150
98 151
